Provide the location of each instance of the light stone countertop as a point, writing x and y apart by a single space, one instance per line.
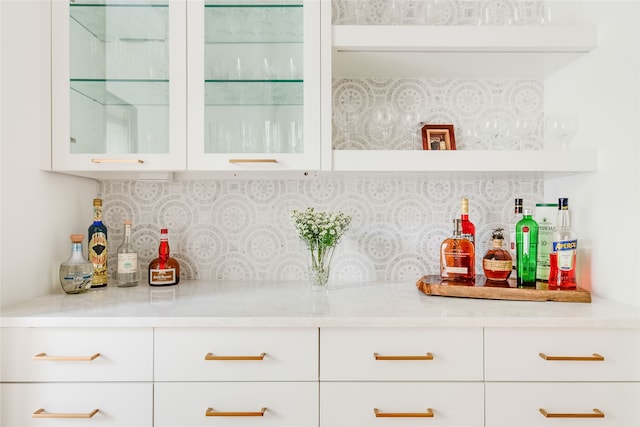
294 304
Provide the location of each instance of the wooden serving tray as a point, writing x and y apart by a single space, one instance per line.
486 289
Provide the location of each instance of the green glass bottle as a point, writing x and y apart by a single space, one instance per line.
527 249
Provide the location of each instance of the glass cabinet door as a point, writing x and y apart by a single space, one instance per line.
254 90
119 85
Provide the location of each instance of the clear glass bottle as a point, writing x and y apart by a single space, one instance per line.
127 270
164 270
468 229
527 249
517 215
545 216
563 251
497 262
97 237
457 256
76 272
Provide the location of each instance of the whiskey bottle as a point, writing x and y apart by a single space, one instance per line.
97 238
164 270
497 262
517 215
457 256
76 272
563 251
468 229
127 270
527 249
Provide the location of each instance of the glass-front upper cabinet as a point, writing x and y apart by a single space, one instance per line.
254 85
119 85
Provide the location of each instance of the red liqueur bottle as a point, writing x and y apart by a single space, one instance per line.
164 270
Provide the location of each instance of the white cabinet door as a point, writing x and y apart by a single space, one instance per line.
562 354
236 354
264 404
566 404
254 85
119 86
76 354
397 354
78 405
345 404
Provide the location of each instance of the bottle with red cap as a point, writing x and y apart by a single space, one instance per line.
164 270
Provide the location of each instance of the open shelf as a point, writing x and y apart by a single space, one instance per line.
408 51
544 164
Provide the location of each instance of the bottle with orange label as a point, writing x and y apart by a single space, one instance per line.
563 251
164 270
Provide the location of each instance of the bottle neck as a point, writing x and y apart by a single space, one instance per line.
163 249
563 218
76 248
97 214
127 233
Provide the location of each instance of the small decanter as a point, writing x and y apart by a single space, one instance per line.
497 262
77 271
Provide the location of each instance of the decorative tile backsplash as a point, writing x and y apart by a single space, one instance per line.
241 229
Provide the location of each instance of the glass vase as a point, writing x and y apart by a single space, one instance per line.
320 265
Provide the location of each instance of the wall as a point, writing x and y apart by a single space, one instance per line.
38 209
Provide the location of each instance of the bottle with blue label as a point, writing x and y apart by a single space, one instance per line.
563 251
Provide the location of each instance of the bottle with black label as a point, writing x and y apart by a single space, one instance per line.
97 236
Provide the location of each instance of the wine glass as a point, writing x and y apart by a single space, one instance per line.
522 130
410 120
383 118
561 128
346 120
496 130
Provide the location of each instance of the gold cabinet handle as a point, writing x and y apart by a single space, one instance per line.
252 161
213 413
44 356
40 413
427 356
593 358
211 356
427 414
140 161
595 414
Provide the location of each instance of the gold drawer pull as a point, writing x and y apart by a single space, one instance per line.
41 414
140 161
596 414
211 356
252 161
427 356
594 358
213 413
43 356
428 414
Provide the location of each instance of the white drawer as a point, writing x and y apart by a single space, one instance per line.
293 404
353 404
68 354
514 354
118 404
512 404
447 354
186 354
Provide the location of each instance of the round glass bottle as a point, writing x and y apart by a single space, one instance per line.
497 262
76 272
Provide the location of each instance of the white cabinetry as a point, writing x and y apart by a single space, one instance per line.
88 374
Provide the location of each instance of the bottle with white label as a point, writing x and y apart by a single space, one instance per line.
127 271
563 251
545 216
164 270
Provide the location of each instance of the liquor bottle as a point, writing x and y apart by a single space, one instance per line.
468 229
127 271
497 262
517 215
527 249
76 272
545 216
98 246
457 256
164 270
563 251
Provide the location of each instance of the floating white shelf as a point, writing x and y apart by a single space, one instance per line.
535 164
407 51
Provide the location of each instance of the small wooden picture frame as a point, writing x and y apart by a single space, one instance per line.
438 137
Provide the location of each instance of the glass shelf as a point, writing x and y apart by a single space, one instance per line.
123 92
143 20
254 92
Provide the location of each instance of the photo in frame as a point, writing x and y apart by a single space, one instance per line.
438 137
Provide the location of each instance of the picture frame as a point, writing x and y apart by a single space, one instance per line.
438 137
